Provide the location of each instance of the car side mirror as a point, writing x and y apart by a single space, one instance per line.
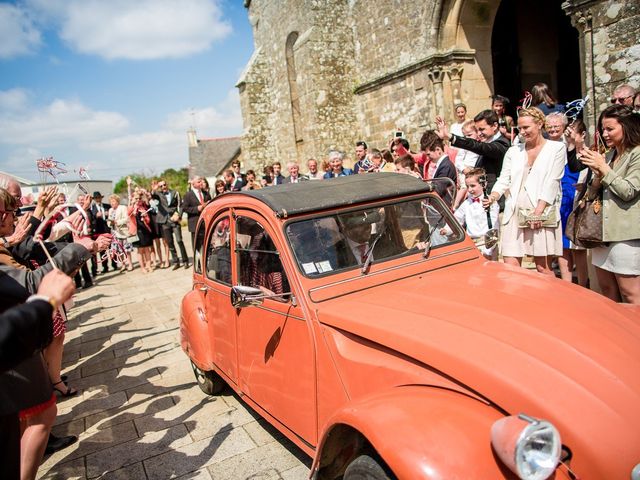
243 296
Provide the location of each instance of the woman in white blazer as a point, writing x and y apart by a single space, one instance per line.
530 180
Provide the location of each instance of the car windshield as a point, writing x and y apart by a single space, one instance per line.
357 238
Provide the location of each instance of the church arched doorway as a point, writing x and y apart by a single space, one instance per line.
534 44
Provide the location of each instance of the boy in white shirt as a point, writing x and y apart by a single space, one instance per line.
472 215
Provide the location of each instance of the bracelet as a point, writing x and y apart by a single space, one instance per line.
5 242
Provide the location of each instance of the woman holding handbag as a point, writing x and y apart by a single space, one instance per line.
530 179
616 177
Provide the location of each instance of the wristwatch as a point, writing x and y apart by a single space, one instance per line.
5 242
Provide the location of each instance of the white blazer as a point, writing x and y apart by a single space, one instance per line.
543 181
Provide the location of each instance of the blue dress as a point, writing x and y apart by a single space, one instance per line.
568 184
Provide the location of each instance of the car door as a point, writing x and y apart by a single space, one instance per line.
275 350
220 313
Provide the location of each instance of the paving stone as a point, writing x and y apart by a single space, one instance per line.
71 470
130 472
150 445
90 403
301 472
131 410
113 363
267 461
202 474
188 413
261 432
203 425
96 441
193 456
74 427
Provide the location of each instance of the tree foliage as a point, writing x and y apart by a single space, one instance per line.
176 179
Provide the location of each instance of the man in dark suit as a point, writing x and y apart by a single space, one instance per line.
98 218
278 178
240 179
168 217
491 144
194 202
294 174
433 146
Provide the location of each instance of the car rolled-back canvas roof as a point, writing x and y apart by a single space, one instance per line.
297 198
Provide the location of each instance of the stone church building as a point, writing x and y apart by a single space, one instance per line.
326 73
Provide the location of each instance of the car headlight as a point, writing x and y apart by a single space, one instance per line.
530 447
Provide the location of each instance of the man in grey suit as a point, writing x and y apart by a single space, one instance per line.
294 174
168 217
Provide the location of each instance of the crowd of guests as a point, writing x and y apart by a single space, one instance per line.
40 253
531 166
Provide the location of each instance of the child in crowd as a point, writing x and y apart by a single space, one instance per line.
465 160
472 215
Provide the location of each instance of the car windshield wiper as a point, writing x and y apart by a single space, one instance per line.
427 243
369 253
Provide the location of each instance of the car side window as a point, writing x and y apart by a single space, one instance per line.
218 260
259 260
197 251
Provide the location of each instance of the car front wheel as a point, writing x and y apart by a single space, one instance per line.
365 467
209 382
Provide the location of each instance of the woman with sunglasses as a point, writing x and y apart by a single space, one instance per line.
616 177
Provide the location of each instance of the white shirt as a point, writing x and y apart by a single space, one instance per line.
473 217
355 249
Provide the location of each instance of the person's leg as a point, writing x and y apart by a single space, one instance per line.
565 264
157 246
177 231
35 434
53 357
582 268
165 247
514 261
543 265
608 284
629 286
86 276
167 234
129 261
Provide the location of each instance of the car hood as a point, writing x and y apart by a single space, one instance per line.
529 344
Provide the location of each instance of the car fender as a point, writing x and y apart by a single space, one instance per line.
419 431
194 330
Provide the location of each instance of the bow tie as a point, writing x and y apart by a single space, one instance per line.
475 199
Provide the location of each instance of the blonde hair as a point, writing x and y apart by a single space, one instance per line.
533 112
114 197
9 200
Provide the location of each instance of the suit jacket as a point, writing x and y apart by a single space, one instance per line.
99 224
190 205
24 329
279 180
621 198
491 153
238 183
166 209
543 181
445 169
301 178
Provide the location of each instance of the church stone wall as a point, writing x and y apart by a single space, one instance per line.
365 68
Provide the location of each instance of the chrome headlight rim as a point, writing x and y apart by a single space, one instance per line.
529 446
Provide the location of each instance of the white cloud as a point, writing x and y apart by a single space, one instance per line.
136 30
103 141
18 35
61 122
13 99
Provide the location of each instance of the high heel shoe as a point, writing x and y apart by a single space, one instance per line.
68 392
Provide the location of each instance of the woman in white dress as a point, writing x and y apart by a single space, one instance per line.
530 181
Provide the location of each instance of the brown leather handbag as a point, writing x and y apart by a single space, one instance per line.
584 224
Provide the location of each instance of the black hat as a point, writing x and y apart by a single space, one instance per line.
97 194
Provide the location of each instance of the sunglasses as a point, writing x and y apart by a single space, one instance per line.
619 99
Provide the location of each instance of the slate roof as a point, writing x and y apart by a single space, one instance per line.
210 157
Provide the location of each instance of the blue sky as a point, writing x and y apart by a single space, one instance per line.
113 86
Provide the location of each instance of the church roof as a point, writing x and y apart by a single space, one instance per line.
210 157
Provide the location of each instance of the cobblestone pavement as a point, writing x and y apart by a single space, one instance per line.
139 413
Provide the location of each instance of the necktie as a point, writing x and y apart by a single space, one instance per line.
362 248
200 196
